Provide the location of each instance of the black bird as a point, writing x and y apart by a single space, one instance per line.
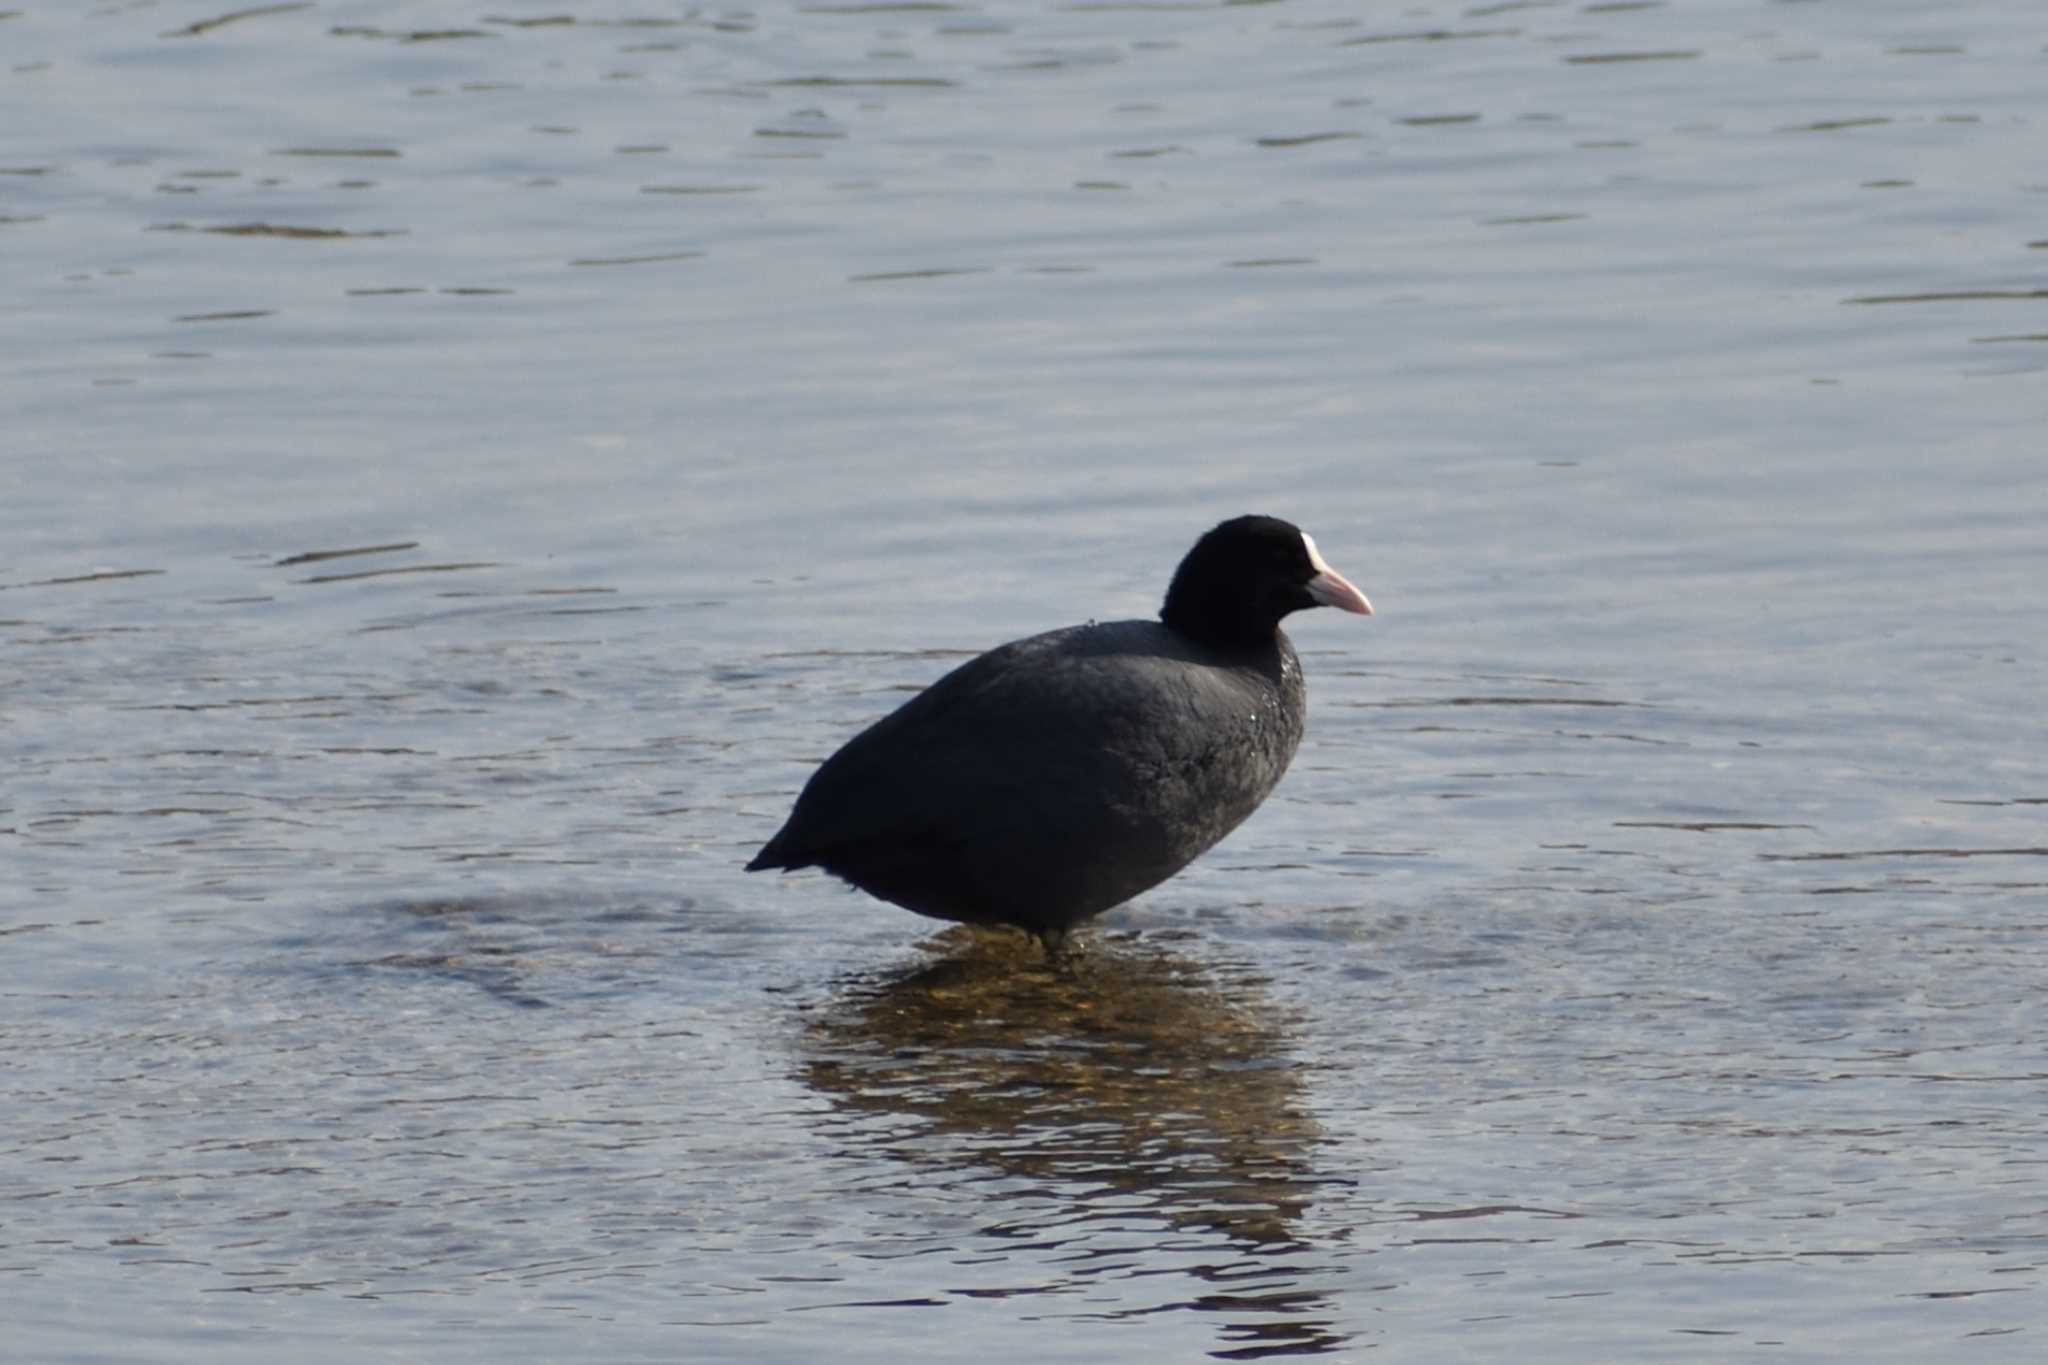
1059 775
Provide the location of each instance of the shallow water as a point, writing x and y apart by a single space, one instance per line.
464 469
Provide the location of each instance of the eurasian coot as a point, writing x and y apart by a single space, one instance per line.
1056 776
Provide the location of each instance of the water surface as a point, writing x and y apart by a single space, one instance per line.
465 468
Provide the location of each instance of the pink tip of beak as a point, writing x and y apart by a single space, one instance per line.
1332 589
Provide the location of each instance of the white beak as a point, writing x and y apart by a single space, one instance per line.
1330 588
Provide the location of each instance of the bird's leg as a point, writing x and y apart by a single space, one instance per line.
1053 938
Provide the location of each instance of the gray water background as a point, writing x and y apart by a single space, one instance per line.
1643 960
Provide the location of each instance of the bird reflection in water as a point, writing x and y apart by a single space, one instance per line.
1132 1091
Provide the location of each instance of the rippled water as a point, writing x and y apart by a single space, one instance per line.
465 467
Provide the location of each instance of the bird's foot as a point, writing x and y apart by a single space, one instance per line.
1054 940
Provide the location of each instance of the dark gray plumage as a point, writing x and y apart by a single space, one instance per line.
1056 776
